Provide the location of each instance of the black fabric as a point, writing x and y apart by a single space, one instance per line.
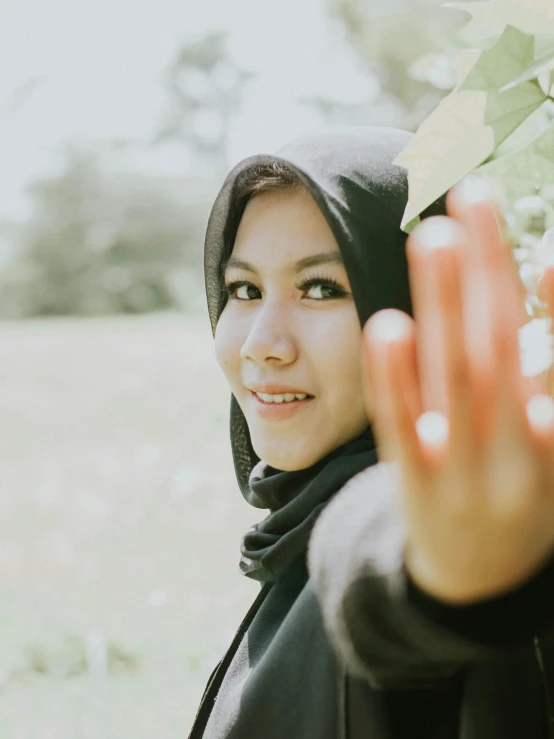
508 618
399 639
214 682
295 500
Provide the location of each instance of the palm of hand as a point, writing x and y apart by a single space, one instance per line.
478 499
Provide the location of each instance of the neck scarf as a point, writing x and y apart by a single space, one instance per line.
295 500
362 195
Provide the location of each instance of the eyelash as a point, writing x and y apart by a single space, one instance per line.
232 287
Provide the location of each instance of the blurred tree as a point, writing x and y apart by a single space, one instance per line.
411 45
100 242
383 110
205 89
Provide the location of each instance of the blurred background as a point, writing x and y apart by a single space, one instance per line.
119 536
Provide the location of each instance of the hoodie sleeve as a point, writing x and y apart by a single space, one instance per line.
383 627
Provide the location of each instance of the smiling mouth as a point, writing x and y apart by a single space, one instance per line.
282 402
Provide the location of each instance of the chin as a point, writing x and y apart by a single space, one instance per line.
280 463
285 467
285 461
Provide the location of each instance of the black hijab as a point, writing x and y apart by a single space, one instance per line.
362 195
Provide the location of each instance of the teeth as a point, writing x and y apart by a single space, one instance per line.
287 398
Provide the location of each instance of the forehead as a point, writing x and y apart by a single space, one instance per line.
283 226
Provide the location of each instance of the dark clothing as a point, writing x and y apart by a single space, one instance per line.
295 500
395 636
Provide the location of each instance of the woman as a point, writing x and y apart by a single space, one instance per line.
366 636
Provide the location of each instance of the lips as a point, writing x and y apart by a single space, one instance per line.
277 390
279 411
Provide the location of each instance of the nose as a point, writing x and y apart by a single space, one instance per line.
269 337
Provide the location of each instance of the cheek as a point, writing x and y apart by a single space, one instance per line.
227 346
342 377
340 357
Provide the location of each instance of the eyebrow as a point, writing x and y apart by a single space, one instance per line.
334 257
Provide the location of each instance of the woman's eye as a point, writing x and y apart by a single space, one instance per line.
323 287
244 288
234 287
317 286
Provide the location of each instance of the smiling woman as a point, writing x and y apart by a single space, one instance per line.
273 334
340 643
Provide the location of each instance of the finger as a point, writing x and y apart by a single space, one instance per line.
376 382
507 247
404 367
431 235
389 336
540 413
472 195
491 244
513 389
460 400
526 402
480 257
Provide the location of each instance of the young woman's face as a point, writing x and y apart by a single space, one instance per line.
277 330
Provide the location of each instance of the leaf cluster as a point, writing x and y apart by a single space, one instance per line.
498 119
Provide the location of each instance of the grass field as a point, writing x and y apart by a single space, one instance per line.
120 522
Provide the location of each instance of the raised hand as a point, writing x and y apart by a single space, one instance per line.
474 440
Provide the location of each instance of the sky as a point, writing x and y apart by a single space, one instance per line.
89 71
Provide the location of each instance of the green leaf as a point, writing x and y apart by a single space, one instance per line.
520 172
489 18
451 142
466 127
543 64
531 127
510 56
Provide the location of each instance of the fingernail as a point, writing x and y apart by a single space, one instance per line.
473 188
432 428
540 410
389 325
438 232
